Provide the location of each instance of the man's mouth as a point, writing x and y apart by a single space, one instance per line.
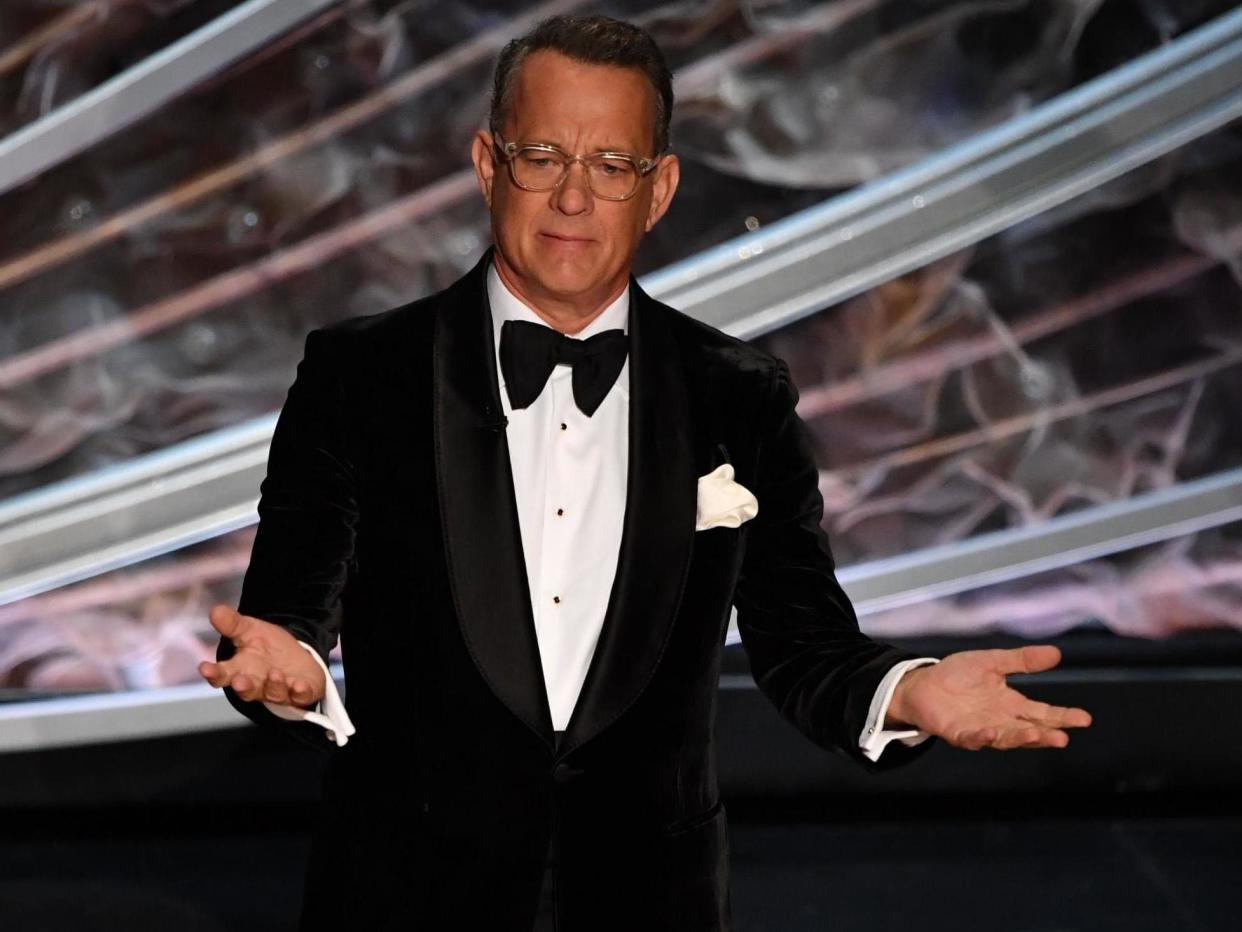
563 238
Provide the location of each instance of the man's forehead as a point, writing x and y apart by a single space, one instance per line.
563 102
604 132
616 132
569 141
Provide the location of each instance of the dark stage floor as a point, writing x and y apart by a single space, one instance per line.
1029 876
906 871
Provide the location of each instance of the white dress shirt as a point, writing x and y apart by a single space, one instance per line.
569 480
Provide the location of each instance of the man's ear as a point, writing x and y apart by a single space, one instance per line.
484 163
663 187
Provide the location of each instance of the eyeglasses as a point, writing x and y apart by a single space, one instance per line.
613 176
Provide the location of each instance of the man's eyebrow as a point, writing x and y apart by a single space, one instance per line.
548 142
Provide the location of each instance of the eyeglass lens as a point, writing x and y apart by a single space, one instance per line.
541 170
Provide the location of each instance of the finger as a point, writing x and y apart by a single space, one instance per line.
274 687
974 739
1002 739
214 673
1055 738
224 671
225 619
1055 716
1073 718
1030 736
1030 659
977 741
1048 738
300 692
244 685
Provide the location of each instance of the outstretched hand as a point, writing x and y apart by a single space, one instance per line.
965 700
268 664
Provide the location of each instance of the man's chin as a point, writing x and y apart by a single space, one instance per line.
568 280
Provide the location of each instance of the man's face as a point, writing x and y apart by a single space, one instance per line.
566 248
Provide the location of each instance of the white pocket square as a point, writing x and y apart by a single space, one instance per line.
723 502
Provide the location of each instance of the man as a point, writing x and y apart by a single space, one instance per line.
529 546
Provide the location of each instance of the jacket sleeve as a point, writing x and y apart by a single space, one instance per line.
797 625
303 549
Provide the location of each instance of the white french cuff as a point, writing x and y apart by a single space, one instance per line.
329 712
723 502
874 738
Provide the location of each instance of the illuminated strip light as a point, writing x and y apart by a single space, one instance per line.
72 721
1002 556
144 88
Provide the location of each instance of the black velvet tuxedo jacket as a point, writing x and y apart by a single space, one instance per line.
387 518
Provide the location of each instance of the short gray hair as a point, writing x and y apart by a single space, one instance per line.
594 40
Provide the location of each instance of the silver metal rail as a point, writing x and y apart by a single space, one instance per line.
989 559
1001 556
144 88
127 716
132 511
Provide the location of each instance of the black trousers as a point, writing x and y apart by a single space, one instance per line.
545 919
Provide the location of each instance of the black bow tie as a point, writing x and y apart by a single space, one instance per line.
529 352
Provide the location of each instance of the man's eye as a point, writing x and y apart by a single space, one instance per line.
613 168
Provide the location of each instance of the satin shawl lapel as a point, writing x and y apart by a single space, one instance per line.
478 508
658 529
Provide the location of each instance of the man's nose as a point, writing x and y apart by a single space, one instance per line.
573 195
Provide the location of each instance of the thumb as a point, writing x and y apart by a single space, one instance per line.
227 621
1030 659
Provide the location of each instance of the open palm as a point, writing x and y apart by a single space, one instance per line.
965 700
268 664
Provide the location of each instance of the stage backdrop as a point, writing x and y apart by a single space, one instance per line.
156 286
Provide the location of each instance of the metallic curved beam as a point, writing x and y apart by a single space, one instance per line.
147 86
132 511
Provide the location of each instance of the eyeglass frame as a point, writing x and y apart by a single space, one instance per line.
510 149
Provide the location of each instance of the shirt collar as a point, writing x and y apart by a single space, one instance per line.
506 305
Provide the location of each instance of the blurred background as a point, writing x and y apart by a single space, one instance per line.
999 243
